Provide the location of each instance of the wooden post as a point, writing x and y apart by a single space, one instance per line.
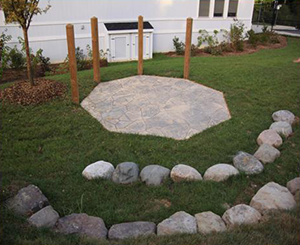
72 63
140 47
95 46
188 41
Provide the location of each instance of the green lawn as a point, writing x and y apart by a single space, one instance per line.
49 145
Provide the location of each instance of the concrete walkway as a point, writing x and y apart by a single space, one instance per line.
149 105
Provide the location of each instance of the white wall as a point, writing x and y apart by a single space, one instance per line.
167 17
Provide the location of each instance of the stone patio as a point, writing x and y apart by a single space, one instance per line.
149 105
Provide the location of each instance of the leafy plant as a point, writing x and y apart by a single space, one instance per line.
4 50
253 38
212 41
178 46
17 58
237 35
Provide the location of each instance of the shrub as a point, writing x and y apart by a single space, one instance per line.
179 46
17 58
212 41
253 38
4 52
236 36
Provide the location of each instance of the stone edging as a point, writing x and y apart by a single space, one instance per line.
31 202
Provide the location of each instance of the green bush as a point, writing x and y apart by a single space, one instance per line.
17 58
212 41
4 52
178 46
253 38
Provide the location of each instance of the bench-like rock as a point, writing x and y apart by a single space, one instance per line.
270 137
220 172
183 172
267 153
100 169
208 222
154 174
247 163
46 217
126 173
284 116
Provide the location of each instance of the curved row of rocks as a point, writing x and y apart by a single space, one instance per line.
128 172
31 202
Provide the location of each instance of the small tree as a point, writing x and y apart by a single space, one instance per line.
22 12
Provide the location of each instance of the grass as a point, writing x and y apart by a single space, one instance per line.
49 146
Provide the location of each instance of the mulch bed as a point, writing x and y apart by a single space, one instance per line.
23 93
248 49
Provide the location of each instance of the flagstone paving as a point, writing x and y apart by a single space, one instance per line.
149 105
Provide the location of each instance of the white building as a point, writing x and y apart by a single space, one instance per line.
167 17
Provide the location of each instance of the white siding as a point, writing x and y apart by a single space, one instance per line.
167 17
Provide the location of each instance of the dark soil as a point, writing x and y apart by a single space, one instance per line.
10 75
23 93
248 49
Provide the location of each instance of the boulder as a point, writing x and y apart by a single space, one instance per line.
209 222
270 137
294 185
100 169
180 222
283 115
132 229
282 128
28 201
247 163
46 217
220 172
183 172
83 225
273 196
267 153
154 174
241 215
126 173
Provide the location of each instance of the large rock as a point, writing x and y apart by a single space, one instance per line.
154 174
183 172
241 215
247 163
46 217
180 222
28 201
220 172
126 173
209 222
132 229
273 196
83 225
283 115
267 153
100 169
282 128
270 137
294 185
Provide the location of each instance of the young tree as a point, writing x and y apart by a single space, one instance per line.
22 12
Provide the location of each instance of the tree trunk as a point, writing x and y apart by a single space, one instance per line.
28 58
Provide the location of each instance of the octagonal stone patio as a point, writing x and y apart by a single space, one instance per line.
149 105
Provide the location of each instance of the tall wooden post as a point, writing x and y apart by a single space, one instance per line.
140 47
188 41
95 46
72 63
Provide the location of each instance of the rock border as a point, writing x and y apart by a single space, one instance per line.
271 196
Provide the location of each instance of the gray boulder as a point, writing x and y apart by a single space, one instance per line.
273 196
83 225
209 222
154 174
28 201
126 173
294 185
100 169
241 215
220 172
46 217
182 172
282 128
284 116
132 229
267 153
270 137
180 222
247 163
